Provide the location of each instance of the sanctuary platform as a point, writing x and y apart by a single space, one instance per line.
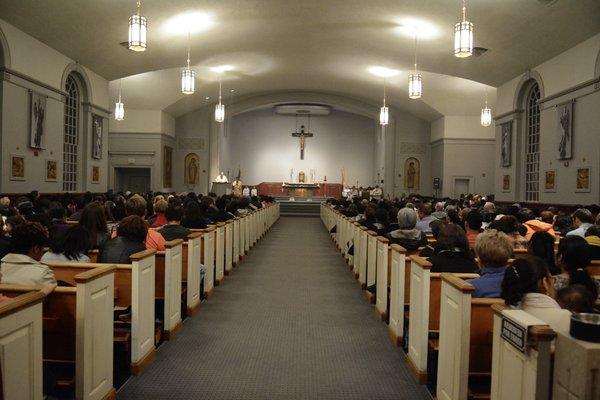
300 207
278 189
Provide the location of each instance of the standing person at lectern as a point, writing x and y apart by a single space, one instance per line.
221 178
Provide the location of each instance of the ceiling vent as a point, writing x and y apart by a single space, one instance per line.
302 109
547 2
479 51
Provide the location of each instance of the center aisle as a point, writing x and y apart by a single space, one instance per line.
289 323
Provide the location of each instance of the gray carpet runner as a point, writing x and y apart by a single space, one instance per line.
289 323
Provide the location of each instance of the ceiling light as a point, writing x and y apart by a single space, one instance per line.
188 78
384 113
119 107
138 26
192 22
463 36
222 68
383 72
411 26
415 82
220 108
486 114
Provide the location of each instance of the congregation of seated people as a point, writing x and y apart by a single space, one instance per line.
473 235
36 230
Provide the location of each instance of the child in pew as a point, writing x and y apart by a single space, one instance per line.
576 298
452 253
131 234
527 285
72 246
173 229
574 255
22 265
493 248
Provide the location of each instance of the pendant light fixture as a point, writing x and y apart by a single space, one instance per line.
486 114
119 107
138 26
188 84
463 35
220 107
415 82
384 114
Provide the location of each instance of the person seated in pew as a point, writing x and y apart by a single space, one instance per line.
407 235
58 220
577 299
592 236
473 223
493 249
510 226
369 220
382 222
574 255
582 220
22 265
528 286
72 246
131 235
541 245
428 250
193 217
425 218
173 229
93 219
527 219
452 252
158 219
137 205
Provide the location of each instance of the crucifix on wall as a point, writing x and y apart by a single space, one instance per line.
303 134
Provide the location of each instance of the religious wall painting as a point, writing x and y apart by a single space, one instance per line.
550 181
17 167
412 173
168 167
191 165
97 136
564 129
506 183
506 144
51 170
95 174
583 180
37 120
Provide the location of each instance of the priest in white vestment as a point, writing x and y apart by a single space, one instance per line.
221 178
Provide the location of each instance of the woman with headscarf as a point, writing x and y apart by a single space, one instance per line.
407 235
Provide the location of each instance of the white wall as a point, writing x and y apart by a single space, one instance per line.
570 76
36 67
260 142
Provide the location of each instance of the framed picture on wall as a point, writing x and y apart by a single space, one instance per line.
506 144
51 170
564 129
583 182
97 125
506 183
550 181
17 167
37 120
95 174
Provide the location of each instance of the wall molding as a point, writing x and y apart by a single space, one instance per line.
91 107
508 116
7 73
472 141
131 153
583 85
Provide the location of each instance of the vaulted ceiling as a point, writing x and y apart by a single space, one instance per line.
328 45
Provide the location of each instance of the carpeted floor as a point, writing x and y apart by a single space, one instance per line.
289 323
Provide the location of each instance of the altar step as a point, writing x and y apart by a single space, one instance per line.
300 207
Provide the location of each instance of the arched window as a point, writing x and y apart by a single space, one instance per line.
532 142
71 137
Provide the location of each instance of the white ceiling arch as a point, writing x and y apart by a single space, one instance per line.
311 45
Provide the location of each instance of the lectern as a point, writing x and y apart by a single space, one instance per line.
220 188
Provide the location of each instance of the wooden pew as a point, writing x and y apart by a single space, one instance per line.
77 334
362 261
356 241
397 283
594 268
371 277
228 247
168 271
424 313
465 342
208 259
190 272
237 242
247 220
135 287
220 253
524 372
382 261
21 346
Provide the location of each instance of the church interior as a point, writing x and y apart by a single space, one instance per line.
299 199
